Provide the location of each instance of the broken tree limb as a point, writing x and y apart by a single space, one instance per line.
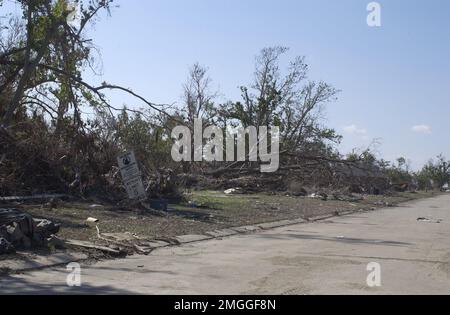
134 247
89 245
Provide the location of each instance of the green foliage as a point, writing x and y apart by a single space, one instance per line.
400 173
435 174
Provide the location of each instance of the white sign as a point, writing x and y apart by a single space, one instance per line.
135 189
131 176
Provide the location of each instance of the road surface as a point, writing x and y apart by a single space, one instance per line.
326 257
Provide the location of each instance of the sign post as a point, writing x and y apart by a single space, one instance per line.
131 176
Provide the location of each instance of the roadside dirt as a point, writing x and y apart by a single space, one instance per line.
206 211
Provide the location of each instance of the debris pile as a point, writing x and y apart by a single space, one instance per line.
120 244
20 230
429 220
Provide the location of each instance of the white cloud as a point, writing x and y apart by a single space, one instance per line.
355 130
422 129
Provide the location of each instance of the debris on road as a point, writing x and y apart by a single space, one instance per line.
381 203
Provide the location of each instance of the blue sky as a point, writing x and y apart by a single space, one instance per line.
395 79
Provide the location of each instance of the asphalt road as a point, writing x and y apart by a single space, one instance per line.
326 257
